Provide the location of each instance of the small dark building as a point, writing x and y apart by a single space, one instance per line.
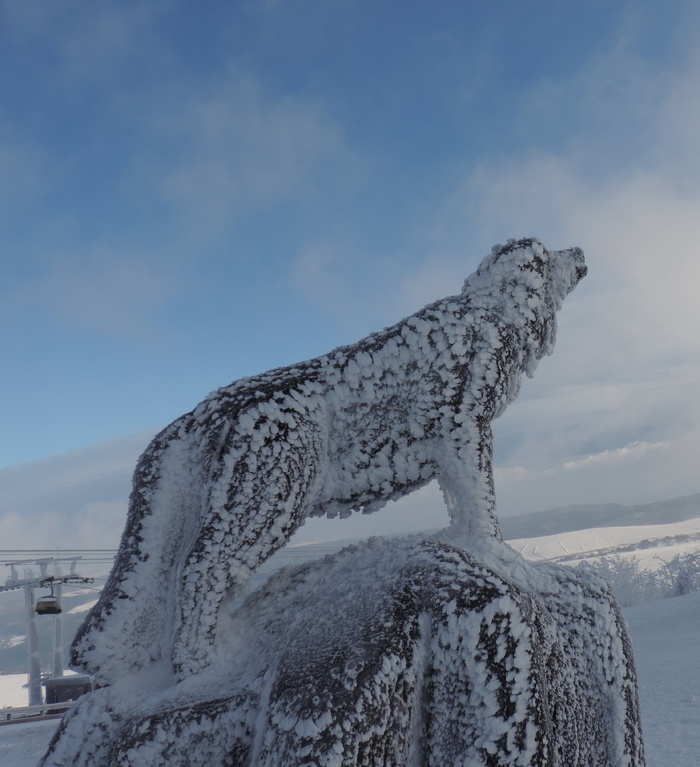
64 688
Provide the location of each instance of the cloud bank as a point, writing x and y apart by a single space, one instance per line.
69 501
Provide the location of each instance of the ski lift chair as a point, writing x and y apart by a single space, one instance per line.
48 605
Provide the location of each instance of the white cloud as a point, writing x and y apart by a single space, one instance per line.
627 363
93 526
615 457
613 416
87 40
74 500
23 172
240 149
104 291
438 276
640 472
361 292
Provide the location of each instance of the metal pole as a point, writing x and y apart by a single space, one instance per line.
34 676
58 635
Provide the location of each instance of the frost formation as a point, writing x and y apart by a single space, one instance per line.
419 652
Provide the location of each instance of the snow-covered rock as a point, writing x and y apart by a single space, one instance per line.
402 652
223 487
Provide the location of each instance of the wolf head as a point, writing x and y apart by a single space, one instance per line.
525 284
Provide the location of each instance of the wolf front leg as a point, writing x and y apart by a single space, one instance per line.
466 480
270 492
126 631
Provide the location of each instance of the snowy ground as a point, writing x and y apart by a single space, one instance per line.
665 635
22 745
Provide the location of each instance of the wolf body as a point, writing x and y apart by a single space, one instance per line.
224 486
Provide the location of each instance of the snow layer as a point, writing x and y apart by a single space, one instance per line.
391 652
223 487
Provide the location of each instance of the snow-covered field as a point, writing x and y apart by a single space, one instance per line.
659 543
665 636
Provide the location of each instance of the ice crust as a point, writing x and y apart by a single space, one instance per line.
452 650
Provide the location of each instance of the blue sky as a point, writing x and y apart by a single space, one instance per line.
193 192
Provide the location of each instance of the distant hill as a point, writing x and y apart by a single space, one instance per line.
571 518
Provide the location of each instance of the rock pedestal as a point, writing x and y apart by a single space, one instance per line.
399 652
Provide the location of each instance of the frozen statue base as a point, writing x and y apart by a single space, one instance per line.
413 652
402 652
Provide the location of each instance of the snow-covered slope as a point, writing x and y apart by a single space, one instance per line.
665 636
22 745
650 544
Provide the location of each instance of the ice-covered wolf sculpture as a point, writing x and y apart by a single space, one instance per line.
450 650
224 486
